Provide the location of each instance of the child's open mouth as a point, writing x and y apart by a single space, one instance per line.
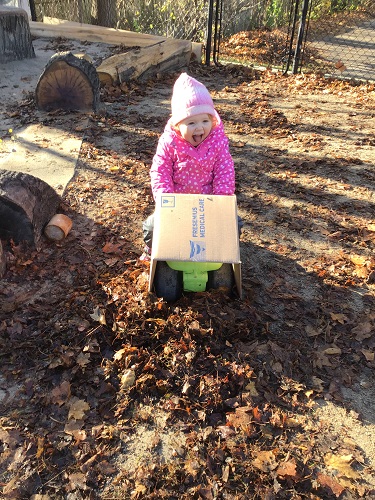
197 138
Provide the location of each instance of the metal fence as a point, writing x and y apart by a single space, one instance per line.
333 37
336 37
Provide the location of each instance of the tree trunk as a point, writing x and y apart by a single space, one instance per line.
107 13
15 37
26 205
68 82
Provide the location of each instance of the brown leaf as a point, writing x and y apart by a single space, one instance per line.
288 469
369 355
332 351
330 483
106 468
341 463
83 359
205 493
241 418
265 461
77 480
78 408
112 247
61 393
363 331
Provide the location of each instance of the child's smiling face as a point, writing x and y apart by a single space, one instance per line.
195 129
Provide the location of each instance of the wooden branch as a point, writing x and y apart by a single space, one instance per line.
169 55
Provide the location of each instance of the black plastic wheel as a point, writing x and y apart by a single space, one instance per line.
168 283
221 278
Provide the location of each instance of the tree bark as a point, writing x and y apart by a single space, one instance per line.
146 62
68 82
15 37
26 205
107 13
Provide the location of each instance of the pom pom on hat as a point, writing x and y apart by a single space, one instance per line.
190 98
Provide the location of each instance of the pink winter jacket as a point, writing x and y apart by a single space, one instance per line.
179 167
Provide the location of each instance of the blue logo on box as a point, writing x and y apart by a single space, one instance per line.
197 250
168 201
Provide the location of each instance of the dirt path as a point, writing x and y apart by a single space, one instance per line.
109 391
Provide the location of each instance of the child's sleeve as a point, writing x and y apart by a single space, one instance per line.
224 176
161 171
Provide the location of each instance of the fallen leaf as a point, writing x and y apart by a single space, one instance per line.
265 461
330 483
288 469
77 409
358 260
77 480
363 331
83 359
250 387
369 355
61 393
74 428
112 247
312 332
341 463
340 318
127 379
99 315
330 351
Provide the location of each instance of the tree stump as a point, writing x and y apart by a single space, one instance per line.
15 37
26 205
68 82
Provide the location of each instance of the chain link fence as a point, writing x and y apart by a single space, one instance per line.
335 37
342 41
170 18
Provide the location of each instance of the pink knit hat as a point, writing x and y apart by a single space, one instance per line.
189 98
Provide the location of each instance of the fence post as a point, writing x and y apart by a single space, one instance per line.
301 31
209 32
32 10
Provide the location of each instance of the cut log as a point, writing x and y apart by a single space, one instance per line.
68 82
15 36
26 205
123 37
91 33
170 55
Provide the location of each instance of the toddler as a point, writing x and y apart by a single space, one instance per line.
192 155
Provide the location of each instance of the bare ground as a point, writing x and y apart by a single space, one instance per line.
108 392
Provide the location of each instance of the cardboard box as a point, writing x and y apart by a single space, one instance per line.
198 228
